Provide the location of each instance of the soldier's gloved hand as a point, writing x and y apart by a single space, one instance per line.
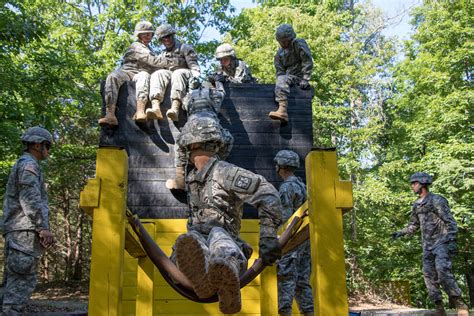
269 250
46 238
219 77
304 84
452 247
396 235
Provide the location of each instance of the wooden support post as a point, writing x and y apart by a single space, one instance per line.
268 291
327 198
105 199
145 279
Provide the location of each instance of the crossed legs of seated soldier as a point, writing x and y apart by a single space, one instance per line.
213 264
112 86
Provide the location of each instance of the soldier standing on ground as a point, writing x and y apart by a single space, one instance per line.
232 69
201 102
26 221
182 74
431 214
293 64
294 268
211 254
138 62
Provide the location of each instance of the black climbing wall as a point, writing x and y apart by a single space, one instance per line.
244 113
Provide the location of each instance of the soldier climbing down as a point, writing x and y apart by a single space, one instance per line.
294 268
201 102
138 62
182 74
293 65
211 254
26 221
431 214
232 69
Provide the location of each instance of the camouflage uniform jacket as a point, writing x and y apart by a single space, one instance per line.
433 216
205 100
217 193
296 60
139 57
25 206
292 195
237 72
183 56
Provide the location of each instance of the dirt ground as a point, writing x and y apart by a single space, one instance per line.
60 297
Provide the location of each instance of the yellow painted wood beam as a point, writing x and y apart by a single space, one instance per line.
105 199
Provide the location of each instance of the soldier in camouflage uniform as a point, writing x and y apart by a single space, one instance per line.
26 221
293 64
183 74
232 69
294 268
211 254
138 62
431 214
201 102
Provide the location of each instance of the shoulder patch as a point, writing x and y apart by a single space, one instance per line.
243 182
31 168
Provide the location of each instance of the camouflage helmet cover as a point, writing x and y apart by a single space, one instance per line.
36 134
201 130
224 50
287 158
165 30
143 27
285 31
422 178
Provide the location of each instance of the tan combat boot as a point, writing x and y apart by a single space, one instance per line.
178 182
173 113
461 307
192 257
109 118
140 115
223 274
155 112
281 114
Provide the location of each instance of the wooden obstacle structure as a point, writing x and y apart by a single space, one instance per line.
123 281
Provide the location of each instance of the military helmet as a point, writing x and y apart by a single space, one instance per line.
36 134
165 30
285 31
143 27
201 130
287 158
224 50
422 178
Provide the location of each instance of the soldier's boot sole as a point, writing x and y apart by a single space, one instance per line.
225 277
192 259
154 114
172 115
108 121
175 184
278 116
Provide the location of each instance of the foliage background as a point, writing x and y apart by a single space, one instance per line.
390 108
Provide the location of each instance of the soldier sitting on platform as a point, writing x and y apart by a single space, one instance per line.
138 62
293 64
183 75
232 69
211 254
202 102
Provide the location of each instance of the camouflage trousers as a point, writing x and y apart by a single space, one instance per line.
22 253
283 85
179 83
181 158
294 271
220 245
437 269
118 77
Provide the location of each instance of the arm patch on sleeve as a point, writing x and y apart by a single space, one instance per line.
244 182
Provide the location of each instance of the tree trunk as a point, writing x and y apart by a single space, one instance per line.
78 249
470 286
